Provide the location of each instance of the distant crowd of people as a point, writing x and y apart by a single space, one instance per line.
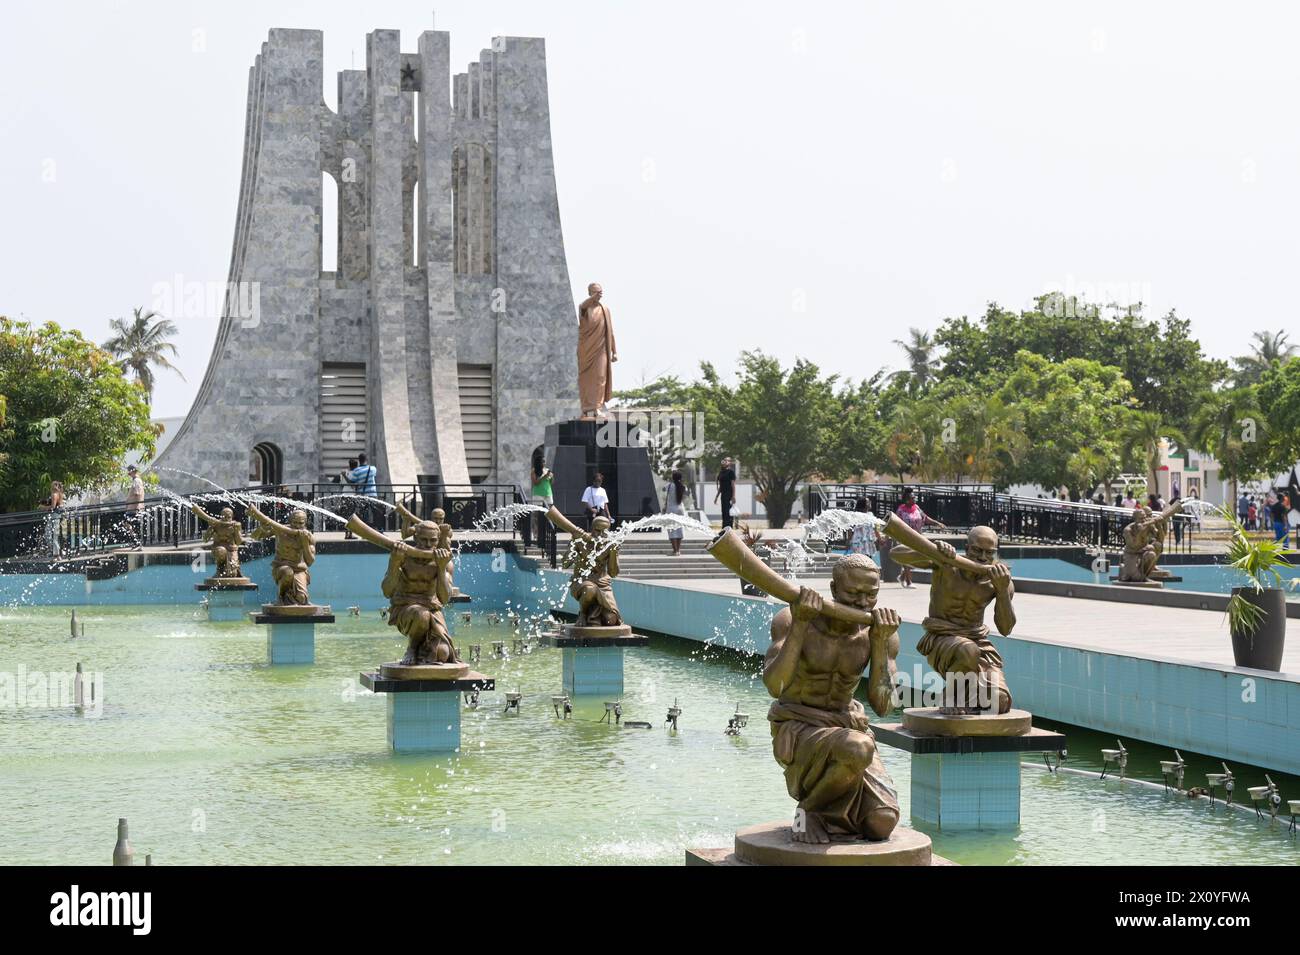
1270 512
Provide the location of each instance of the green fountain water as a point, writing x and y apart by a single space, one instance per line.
216 757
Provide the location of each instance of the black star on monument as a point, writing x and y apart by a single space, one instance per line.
408 73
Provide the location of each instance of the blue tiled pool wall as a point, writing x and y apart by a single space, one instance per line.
340 580
1204 578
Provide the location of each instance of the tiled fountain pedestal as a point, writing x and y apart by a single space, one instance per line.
291 635
966 770
593 658
424 714
226 597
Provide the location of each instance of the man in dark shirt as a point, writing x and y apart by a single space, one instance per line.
726 491
1277 510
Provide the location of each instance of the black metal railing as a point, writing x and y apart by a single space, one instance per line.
89 529
1029 520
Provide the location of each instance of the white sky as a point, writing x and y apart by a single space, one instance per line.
720 165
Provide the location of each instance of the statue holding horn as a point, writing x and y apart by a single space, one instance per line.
415 585
956 642
820 734
439 517
594 559
225 534
295 552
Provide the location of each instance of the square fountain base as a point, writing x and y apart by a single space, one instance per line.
593 671
967 782
292 638
226 603
424 715
291 643
955 791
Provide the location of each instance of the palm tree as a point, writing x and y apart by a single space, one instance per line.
1143 438
909 439
1226 426
922 363
995 438
1091 466
139 343
1269 349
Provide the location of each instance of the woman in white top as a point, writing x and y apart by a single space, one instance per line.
675 503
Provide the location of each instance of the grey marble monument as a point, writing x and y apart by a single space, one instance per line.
445 341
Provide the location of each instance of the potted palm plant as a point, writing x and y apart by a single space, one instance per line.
1257 610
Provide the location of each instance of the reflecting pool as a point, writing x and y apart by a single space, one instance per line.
215 757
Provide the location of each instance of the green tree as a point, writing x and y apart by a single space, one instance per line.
858 443
783 426
666 391
1067 405
1088 467
991 436
1278 395
1143 436
140 343
71 414
1164 365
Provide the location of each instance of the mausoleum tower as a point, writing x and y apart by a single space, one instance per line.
444 341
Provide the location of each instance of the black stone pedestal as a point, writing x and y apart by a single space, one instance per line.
576 450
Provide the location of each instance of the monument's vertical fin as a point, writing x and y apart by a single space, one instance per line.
438 246
537 332
260 385
354 166
390 411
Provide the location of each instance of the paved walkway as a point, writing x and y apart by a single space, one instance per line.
1188 636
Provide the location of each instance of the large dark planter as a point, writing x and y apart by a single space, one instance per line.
1262 650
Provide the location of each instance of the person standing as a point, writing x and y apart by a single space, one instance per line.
911 514
726 491
1277 512
1243 509
596 500
53 504
542 490
364 478
135 502
1252 516
134 494
675 503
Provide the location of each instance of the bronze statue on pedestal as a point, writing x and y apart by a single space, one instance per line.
225 535
415 585
820 735
1143 544
295 551
955 642
594 559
